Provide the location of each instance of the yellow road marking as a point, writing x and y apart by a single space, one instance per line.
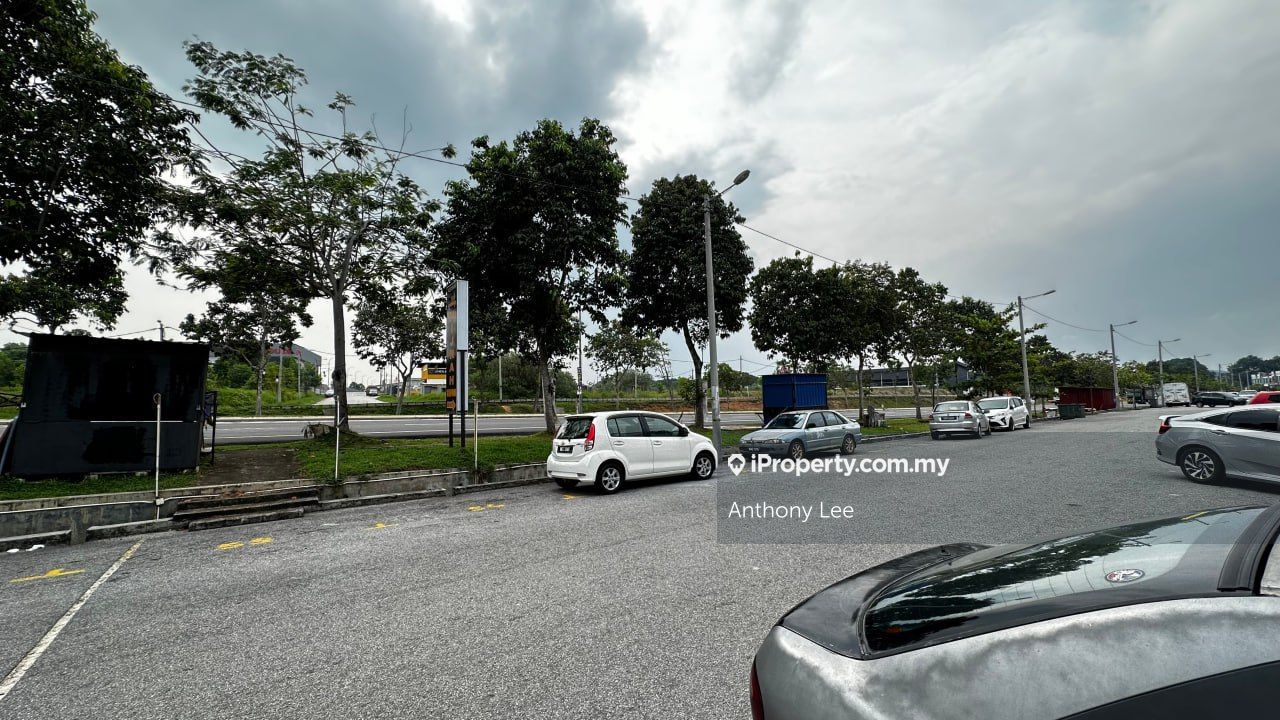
1195 515
381 525
475 508
231 545
54 573
260 541
572 497
494 506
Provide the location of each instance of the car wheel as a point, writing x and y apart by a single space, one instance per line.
848 446
978 433
988 428
703 466
1026 423
566 483
609 479
796 450
1200 465
934 435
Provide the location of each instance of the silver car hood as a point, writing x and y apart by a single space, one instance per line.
758 435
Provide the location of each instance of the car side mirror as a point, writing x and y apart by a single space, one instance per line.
684 431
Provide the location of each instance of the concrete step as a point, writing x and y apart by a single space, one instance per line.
268 504
244 519
221 501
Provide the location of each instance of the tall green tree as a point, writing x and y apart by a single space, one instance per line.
611 349
666 274
86 144
398 330
867 311
792 313
336 213
984 339
918 330
534 228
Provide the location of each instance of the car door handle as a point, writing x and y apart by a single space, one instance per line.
619 442
657 442
1218 432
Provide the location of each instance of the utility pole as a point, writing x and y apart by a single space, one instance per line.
161 324
712 330
1160 365
280 377
1115 368
578 404
500 375
1022 337
1195 367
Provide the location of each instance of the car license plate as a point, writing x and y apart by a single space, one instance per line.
947 417
565 449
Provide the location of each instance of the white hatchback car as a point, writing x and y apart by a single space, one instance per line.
1006 413
609 448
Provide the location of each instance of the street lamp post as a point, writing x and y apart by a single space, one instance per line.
1115 368
1022 335
1160 365
711 312
1195 367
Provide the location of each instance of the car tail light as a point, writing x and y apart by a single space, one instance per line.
1164 426
757 701
930 417
968 416
591 438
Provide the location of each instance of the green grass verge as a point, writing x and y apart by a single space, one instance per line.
898 426
240 401
362 455
15 489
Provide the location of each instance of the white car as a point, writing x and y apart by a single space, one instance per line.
610 448
1006 413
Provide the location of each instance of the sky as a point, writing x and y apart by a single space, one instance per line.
1122 154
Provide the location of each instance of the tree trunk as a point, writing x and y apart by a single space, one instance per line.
340 360
699 418
617 391
915 389
261 367
404 385
548 391
861 393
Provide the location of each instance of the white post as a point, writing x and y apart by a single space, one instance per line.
337 436
475 430
156 399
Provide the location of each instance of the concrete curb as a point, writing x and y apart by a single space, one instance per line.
22 542
899 436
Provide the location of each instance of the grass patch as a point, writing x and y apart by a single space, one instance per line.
363 455
17 489
898 426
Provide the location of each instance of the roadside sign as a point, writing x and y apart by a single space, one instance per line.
456 345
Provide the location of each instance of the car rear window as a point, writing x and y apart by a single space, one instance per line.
952 407
575 428
1144 562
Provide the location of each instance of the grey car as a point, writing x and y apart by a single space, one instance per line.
958 417
1241 443
799 433
1176 617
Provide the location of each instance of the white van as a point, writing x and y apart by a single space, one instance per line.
1176 394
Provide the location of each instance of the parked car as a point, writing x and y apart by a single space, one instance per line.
1006 413
798 434
1242 443
372 391
1214 399
958 417
1176 617
328 393
1246 396
610 448
1265 397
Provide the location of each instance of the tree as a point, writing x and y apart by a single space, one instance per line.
866 309
534 228
85 143
982 337
336 213
393 329
612 349
666 274
13 364
792 314
248 330
918 329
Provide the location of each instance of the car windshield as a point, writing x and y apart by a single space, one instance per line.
786 421
994 404
952 407
1143 562
575 428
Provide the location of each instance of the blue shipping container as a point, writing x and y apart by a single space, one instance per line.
793 392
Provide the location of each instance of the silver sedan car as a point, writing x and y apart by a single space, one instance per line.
800 433
1240 442
1176 617
958 417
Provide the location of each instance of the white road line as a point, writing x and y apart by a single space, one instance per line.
11 680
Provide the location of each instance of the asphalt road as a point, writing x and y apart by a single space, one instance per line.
264 430
524 603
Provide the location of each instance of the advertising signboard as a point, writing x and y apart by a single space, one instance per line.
456 346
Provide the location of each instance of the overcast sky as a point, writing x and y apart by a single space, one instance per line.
1126 154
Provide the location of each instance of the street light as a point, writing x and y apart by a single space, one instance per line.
1115 370
1195 367
1160 358
711 311
1022 334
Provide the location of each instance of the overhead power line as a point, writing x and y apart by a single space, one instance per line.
1060 322
1138 342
